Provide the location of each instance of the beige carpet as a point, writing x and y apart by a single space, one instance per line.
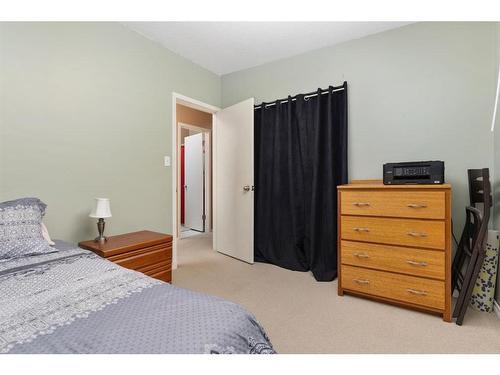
304 316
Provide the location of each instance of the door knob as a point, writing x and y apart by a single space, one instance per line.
246 188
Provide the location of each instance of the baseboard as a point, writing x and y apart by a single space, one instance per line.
496 308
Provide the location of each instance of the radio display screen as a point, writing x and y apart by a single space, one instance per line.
412 172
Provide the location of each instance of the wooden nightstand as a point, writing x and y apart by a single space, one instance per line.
145 251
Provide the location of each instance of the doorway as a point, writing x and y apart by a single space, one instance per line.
192 201
229 201
195 185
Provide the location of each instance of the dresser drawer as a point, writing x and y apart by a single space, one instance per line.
406 232
144 257
410 289
163 275
162 271
410 204
418 262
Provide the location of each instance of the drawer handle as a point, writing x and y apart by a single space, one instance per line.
416 205
361 204
417 234
361 255
361 229
415 263
362 281
417 292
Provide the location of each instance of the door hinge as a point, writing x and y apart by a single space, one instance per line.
204 217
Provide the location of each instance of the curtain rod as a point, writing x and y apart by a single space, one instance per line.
306 96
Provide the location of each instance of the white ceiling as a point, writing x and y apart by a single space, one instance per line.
225 47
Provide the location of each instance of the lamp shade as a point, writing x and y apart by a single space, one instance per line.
101 209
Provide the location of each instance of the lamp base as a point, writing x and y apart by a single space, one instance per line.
101 239
100 228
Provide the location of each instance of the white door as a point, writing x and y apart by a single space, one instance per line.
234 184
194 182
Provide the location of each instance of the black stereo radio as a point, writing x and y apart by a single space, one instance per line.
418 172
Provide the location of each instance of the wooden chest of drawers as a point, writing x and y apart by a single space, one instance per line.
394 244
145 251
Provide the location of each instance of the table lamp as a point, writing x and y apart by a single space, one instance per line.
101 211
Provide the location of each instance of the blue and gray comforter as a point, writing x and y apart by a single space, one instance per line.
72 301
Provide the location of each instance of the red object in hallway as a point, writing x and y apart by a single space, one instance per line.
182 184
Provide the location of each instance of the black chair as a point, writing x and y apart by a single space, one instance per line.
471 249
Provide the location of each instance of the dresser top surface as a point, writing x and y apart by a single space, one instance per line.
126 242
378 184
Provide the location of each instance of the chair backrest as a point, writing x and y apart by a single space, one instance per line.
480 190
474 226
480 193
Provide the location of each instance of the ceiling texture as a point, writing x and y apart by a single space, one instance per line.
226 47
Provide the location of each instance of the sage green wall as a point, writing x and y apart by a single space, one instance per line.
85 111
420 92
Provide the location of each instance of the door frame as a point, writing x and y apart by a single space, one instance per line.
204 107
208 179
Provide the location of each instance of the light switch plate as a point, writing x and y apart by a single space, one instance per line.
166 161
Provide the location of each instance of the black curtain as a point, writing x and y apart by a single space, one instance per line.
300 158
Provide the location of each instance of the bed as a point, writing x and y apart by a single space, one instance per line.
70 300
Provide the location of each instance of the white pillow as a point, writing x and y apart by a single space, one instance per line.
45 234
